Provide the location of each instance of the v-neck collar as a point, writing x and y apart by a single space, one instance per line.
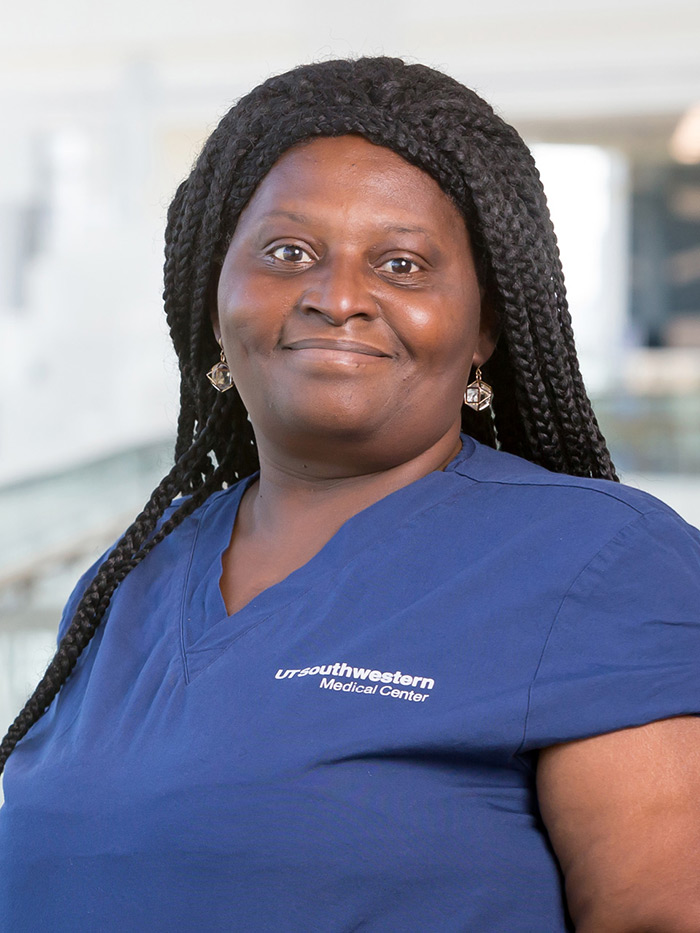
206 626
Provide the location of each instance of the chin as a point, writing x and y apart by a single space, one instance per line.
338 427
312 426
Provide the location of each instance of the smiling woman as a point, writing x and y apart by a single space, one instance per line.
349 333
365 519
338 314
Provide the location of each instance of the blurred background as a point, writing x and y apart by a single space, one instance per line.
103 108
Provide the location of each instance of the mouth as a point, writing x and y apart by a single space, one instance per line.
330 346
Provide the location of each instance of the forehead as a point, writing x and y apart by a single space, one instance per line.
342 169
352 151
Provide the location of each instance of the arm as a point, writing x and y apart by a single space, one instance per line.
623 814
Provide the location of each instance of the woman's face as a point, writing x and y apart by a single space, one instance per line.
348 303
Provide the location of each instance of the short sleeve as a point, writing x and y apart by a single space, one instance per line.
624 648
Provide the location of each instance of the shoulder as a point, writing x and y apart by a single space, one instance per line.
520 479
511 500
205 512
210 503
165 556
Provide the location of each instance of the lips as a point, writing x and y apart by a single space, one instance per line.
328 343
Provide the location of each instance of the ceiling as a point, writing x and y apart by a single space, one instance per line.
544 65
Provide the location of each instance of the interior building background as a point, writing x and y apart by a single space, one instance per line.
103 108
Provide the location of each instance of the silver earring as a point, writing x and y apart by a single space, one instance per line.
220 375
478 394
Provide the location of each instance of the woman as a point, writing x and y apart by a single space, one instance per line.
370 673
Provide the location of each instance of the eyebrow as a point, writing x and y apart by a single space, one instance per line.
388 228
290 215
400 228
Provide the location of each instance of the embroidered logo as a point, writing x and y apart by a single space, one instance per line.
343 677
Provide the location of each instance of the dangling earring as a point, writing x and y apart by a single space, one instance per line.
220 375
478 394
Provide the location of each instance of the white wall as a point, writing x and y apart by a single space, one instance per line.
103 107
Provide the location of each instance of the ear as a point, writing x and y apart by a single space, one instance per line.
489 331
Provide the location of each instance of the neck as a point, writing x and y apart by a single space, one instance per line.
293 492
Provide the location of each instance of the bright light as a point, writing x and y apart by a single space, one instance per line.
587 198
685 142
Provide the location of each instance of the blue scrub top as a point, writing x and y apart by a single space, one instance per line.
356 748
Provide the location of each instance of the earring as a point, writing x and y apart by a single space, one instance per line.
478 394
220 375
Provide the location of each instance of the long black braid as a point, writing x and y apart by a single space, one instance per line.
540 409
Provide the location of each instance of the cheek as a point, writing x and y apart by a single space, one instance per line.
235 293
447 330
247 316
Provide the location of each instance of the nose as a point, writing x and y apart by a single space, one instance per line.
340 290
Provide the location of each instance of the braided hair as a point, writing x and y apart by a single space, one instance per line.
540 409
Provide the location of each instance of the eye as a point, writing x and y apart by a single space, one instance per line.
400 265
291 253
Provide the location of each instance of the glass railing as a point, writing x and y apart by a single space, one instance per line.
657 434
52 529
